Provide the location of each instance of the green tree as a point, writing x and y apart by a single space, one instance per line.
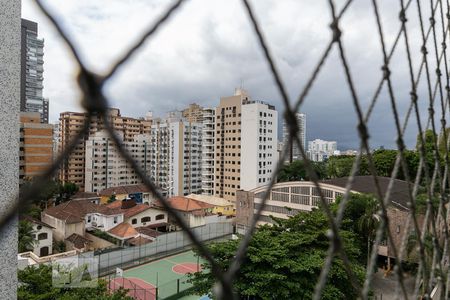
296 171
59 246
429 146
111 199
339 166
26 236
36 284
284 261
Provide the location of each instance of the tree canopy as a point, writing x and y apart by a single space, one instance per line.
284 261
36 284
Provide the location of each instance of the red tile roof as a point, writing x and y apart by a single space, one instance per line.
145 230
125 190
186 204
78 241
139 240
74 211
128 212
123 231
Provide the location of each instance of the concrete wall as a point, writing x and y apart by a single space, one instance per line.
9 133
152 213
98 243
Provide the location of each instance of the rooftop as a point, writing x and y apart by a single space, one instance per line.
125 189
74 211
186 204
123 231
132 210
78 241
366 184
216 201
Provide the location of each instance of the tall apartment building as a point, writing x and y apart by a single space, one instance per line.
208 135
185 158
36 145
193 113
301 122
320 150
32 69
239 118
259 141
175 155
105 167
70 123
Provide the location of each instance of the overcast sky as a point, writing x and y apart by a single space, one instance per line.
209 48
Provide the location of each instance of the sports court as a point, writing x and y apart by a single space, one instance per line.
165 277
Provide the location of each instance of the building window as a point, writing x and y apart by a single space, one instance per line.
116 219
159 217
145 219
42 236
134 221
89 219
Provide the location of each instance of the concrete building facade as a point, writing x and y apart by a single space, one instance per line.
32 69
245 144
36 145
105 167
301 122
259 139
320 150
208 160
71 123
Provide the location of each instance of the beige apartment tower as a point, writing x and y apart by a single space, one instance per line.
227 152
71 123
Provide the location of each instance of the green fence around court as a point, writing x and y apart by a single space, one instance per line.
164 245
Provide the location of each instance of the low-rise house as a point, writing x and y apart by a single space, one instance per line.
77 242
221 206
43 236
192 211
138 215
92 197
139 192
75 216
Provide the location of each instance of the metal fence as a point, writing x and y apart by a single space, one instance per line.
436 92
164 245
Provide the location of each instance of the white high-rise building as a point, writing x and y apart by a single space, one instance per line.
301 121
105 167
185 158
320 150
208 121
259 141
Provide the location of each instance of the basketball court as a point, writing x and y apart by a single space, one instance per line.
165 277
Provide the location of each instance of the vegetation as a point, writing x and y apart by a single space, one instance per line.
51 192
103 235
26 236
35 283
284 261
59 246
111 199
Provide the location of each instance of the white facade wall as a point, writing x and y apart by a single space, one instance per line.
102 222
44 238
259 141
149 213
185 158
105 167
319 150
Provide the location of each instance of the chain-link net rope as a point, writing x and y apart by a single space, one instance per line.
434 37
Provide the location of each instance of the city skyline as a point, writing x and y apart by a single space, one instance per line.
204 65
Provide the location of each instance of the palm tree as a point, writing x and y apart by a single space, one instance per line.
368 222
26 236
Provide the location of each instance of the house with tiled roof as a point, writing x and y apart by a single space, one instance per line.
77 216
42 234
137 214
139 192
192 211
